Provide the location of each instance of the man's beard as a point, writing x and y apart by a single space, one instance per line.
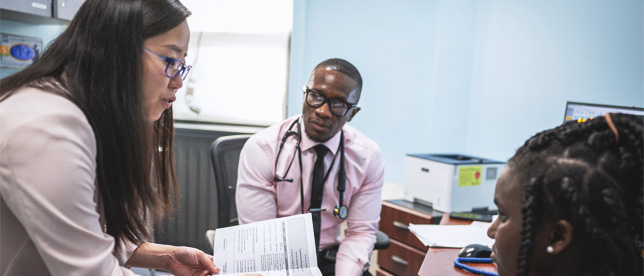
314 139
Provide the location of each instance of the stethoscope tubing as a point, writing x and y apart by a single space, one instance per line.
341 175
459 264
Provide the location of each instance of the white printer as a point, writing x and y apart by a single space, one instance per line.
451 182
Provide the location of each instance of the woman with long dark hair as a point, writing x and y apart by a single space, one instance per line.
86 145
570 201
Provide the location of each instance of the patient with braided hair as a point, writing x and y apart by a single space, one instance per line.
570 201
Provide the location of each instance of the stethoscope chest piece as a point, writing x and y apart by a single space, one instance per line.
341 212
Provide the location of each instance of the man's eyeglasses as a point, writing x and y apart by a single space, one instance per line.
337 107
174 66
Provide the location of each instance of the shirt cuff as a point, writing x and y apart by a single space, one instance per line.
125 252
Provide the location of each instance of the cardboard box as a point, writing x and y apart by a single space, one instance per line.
19 51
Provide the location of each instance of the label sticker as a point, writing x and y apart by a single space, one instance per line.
469 176
38 5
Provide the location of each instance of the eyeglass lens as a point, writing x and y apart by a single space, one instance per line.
176 68
316 100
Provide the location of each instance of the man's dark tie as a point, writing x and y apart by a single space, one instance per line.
317 190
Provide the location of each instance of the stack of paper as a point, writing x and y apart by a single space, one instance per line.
276 247
455 236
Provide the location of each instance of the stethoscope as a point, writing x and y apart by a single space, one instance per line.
459 264
341 211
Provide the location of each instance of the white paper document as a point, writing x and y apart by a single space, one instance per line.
282 246
453 236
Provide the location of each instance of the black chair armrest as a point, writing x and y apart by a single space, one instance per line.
382 241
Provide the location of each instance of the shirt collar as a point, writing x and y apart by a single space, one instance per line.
332 144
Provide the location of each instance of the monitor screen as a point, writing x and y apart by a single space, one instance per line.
576 110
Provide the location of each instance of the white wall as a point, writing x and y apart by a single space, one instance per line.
472 77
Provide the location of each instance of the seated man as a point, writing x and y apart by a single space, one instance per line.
315 161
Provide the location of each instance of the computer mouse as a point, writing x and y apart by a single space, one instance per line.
475 251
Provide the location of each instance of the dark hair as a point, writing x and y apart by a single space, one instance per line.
96 64
344 67
586 174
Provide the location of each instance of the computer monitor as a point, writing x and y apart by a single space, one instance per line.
575 110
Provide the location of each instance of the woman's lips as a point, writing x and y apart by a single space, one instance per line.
168 101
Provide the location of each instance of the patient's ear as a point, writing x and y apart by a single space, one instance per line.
560 236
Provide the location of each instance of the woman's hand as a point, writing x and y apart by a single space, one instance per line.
187 261
178 260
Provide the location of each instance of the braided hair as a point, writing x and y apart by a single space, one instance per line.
590 174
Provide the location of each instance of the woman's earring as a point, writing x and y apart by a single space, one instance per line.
549 249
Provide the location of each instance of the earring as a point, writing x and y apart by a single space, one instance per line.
549 249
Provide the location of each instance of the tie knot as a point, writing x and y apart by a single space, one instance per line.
320 150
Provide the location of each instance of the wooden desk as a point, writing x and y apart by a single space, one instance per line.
440 261
406 253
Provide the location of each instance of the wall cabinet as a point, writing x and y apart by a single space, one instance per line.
39 11
65 9
32 7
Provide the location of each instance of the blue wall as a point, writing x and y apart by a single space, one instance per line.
472 77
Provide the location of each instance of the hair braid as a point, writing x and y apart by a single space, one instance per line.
598 229
584 173
632 156
530 213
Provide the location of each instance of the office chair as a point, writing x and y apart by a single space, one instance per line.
225 160
224 154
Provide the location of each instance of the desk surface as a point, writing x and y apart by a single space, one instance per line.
440 261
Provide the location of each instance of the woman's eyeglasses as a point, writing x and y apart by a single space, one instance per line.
338 108
174 66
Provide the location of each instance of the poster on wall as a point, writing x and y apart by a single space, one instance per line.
19 51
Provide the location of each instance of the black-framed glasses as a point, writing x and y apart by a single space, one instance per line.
174 66
337 107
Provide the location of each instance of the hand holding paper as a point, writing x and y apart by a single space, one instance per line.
283 246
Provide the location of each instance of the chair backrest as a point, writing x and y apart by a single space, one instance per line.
225 159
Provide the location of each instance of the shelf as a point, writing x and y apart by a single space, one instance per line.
30 18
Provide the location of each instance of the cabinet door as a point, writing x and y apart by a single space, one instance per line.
35 7
66 9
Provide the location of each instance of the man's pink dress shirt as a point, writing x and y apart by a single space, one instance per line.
259 198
